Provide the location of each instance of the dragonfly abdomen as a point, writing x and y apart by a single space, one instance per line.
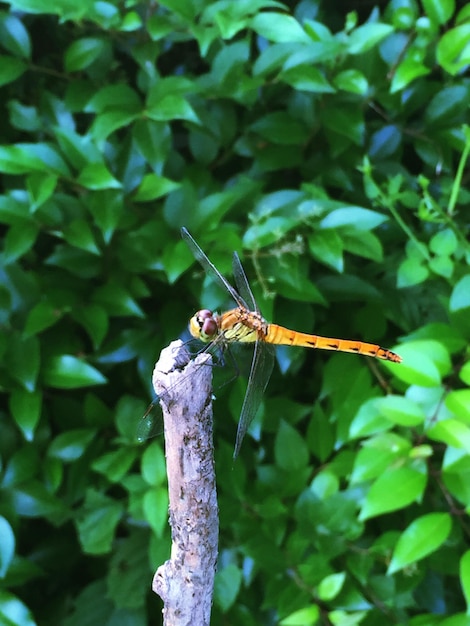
286 337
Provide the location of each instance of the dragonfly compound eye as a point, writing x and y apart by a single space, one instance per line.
209 328
203 325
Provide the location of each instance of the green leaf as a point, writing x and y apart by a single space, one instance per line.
43 315
109 121
368 420
19 159
127 566
325 484
10 69
411 272
439 11
97 176
307 616
395 489
377 454
458 401
83 52
153 465
129 411
280 127
23 117
331 586
154 186
367 36
172 107
267 232
227 585
94 602
94 320
107 209
357 217
292 283
453 51
97 521
422 537
290 448
71 445
424 362
131 22
78 149
400 410
119 97
40 188
352 81
442 266
14 36
184 8
7 548
272 58
23 466
115 465
25 406
464 373
116 300
444 242
307 78
460 297
155 506
364 244
407 71
69 372
465 577
78 233
451 432
13 611
327 247
346 124
446 105
24 360
278 27
27 158
34 500
19 239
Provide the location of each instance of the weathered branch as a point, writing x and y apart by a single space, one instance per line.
185 582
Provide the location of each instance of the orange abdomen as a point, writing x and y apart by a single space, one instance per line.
286 337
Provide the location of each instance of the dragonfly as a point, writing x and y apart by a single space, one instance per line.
245 324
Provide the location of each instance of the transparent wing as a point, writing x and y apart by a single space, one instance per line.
261 369
210 268
263 356
242 283
151 422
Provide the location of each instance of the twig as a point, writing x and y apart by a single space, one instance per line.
185 582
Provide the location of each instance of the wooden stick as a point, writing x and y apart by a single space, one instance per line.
185 582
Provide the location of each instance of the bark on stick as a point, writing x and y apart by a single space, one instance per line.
185 582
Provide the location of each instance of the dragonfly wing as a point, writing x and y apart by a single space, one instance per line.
242 283
151 423
261 369
210 268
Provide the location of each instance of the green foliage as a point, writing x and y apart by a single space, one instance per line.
329 147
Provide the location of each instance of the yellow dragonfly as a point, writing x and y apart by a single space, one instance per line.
245 324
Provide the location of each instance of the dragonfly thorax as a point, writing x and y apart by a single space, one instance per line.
204 325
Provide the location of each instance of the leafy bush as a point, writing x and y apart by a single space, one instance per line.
329 146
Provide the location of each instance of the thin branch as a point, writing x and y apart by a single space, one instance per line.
185 582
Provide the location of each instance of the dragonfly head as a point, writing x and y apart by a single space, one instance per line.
203 325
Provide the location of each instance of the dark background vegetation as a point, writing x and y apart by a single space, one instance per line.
327 143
